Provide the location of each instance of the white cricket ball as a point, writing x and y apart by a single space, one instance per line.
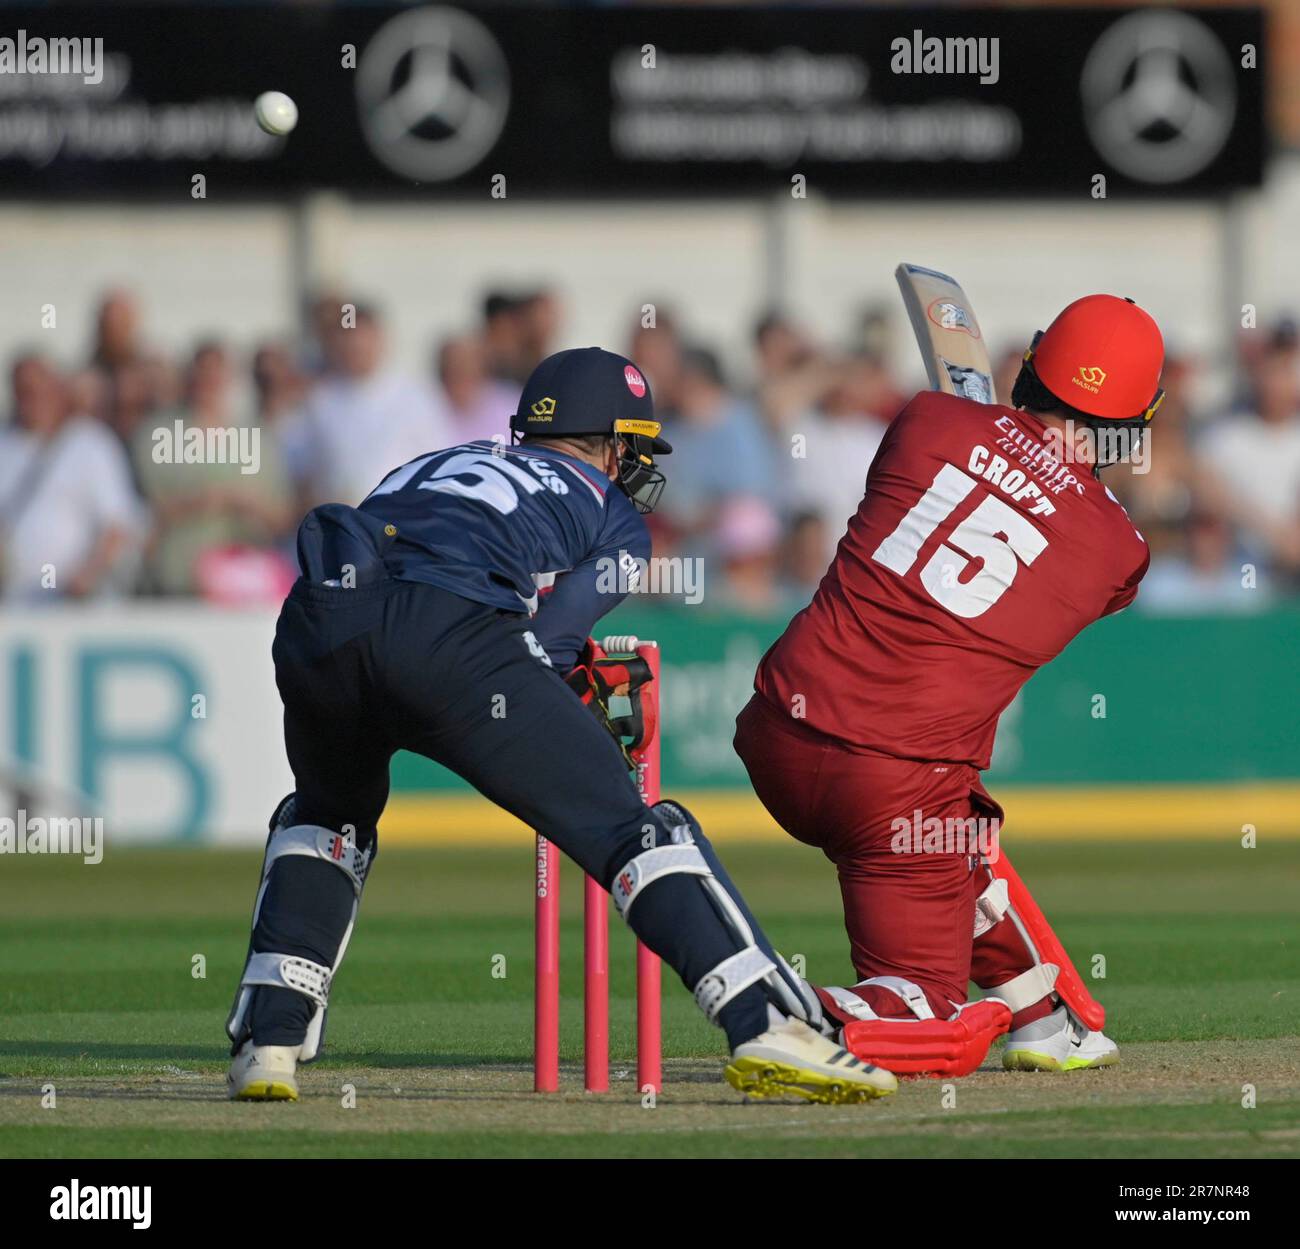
276 113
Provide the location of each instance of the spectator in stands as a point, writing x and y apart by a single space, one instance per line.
1254 347
69 518
1250 466
748 550
130 393
874 333
502 337
117 333
792 374
135 381
88 392
1204 575
1159 499
209 503
519 331
1284 340
780 344
874 344
720 448
803 558
540 315
657 351
322 314
476 404
361 422
280 384
834 444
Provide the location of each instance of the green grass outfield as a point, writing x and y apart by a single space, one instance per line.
432 1021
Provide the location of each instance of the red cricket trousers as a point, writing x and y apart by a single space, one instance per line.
908 913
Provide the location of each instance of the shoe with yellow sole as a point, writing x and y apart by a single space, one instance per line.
790 1059
1058 1042
264 1073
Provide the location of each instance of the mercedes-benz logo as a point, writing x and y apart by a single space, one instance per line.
1158 96
433 90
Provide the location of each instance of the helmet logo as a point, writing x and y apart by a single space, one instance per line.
544 409
1090 378
635 382
951 316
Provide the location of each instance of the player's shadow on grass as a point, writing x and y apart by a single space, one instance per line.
220 1054
108 1049
337 1056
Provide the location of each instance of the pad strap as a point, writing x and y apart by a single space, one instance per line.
911 993
850 1003
319 843
1027 988
288 971
651 865
991 906
730 977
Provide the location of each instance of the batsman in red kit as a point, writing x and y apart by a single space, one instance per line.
984 543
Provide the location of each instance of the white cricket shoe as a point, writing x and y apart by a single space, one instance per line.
1058 1042
264 1073
790 1058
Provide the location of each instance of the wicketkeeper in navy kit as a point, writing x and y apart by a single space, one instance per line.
438 617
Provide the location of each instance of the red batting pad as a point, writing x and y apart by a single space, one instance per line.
930 1047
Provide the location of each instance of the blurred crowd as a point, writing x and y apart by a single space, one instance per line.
109 488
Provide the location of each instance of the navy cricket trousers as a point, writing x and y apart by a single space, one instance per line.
367 671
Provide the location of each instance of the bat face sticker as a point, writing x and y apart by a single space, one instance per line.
952 316
970 383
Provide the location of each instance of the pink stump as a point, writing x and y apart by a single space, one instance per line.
649 1060
546 989
649 1031
596 986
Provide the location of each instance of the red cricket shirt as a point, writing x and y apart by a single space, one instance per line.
975 555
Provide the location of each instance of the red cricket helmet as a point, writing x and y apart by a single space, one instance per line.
1102 356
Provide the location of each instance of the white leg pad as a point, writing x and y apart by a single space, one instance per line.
1027 988
287 971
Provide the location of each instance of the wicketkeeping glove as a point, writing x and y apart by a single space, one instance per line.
596 677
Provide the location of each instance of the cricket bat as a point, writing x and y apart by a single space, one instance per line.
955 354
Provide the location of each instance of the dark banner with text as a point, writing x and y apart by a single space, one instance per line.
117 100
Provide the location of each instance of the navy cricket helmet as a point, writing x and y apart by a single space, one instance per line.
589 391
